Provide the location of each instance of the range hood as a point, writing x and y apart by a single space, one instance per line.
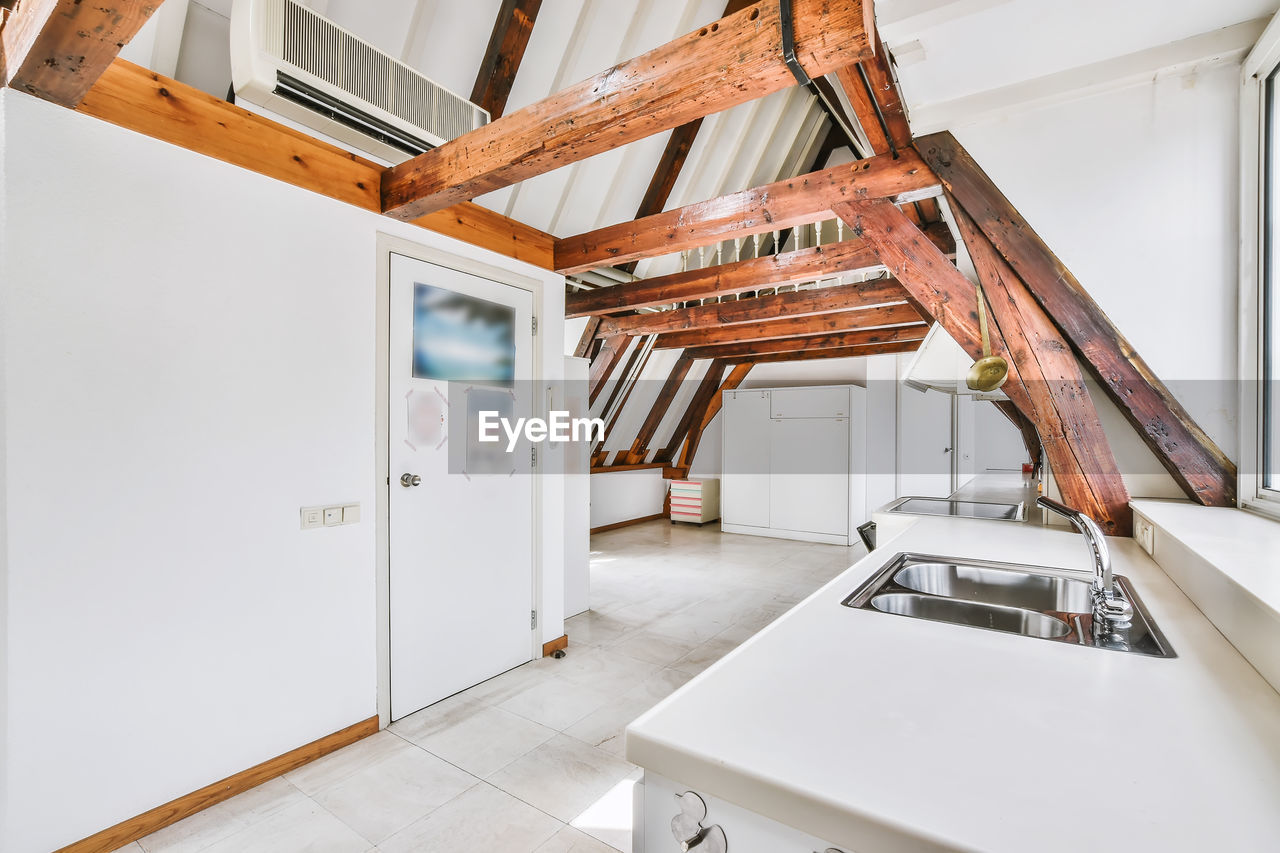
942 365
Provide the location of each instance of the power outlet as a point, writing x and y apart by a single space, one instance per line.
330 516
1145 534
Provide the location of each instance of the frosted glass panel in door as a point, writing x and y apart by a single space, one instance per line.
810 485
744 480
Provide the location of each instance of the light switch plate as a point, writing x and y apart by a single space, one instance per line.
312 516
351 513
332 515
1145 533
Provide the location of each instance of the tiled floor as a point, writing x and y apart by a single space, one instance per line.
532 760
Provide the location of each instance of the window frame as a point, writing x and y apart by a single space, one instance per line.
1259 77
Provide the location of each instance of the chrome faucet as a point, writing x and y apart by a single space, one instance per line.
1110 610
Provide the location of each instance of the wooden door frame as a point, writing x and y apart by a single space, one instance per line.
387 245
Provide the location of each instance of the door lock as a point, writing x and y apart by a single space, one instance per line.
408 480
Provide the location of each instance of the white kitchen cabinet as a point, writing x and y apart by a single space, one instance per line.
656 800
794 463
744 487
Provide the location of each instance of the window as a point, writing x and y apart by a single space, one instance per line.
1260 276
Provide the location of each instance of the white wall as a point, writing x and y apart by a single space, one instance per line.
188 354
1136 190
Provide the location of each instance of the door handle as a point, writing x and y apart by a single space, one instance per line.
408 480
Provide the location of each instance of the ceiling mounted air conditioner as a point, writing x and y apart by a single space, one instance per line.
290 61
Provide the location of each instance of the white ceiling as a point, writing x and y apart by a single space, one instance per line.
973 46
968 47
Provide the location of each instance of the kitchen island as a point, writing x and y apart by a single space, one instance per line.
869 732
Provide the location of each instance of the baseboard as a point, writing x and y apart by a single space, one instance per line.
627 523
129 831
558 644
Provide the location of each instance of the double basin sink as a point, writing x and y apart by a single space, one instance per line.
1026 600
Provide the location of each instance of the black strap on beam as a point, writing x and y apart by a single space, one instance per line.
789 43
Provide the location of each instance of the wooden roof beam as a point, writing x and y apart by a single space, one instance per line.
1187 452
739 276
797 303
729 62
57 49
811 343
782 204
791 327
835 352
502 57
1041 383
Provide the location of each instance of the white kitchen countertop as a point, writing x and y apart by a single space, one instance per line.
882 733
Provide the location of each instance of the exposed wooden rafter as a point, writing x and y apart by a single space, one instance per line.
791 327
666 394
812 343
793 304
738 276
611 352
835 352
57 49
729 62
793 201
1086 471
1192 458
502 57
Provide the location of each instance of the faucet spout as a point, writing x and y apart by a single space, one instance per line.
1109 606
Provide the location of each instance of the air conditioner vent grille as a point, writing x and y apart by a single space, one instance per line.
317 46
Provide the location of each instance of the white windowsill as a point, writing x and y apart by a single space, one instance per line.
1227 561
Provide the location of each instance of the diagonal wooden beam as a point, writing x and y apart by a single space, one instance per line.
835 352
810 343
794 304
640 446
732 61
603 364
708 410
57 49
583 349
738 277
782 204
1193 459
697 405
1058 401
788 327
1087 474
502 57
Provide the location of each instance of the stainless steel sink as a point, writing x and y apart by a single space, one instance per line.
1027 600
1013 620
997 586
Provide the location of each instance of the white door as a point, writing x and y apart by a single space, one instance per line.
925 447
744 476
461 535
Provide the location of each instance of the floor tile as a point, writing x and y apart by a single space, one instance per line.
486 740
570 840
483 820
562 777
349 760
556 702
645 644
388 796
205 828
304 826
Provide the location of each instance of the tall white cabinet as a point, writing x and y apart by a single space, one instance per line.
794 463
